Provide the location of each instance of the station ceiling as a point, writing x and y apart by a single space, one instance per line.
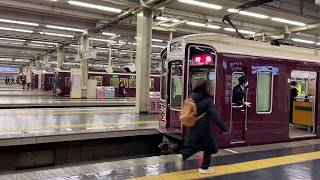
28 28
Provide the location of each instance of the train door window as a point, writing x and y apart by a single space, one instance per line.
114 81
176 85
151 84
126 82
264 92
67 82
163 77
202 73
50 80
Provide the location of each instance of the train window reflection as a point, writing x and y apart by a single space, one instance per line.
176 85
264 92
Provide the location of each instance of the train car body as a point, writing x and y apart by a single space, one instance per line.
61 81
222 60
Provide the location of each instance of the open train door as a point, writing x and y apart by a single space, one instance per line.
238 114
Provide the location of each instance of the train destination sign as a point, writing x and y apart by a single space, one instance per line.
203 59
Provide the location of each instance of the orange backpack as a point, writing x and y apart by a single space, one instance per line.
188 115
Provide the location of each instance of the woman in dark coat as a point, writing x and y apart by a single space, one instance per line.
200 137
121 89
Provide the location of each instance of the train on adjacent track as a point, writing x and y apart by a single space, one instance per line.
270 70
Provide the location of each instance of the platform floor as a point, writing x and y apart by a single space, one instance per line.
283 161
13 96
47 122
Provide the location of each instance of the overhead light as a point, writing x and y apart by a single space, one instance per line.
93 6
155 40
158 46
18 22
248 13
212 26
16 30
56 34
196 24
42 42
65 28
11 43
11 39
241 31
303 41
202 4
36 45
161 18
6 59
22 60
289 21
108 34
104 40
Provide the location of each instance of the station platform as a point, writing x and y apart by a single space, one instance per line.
283 161
45 125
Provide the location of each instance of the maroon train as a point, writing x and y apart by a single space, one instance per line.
222 60
61 80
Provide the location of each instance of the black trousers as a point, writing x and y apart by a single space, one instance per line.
189 151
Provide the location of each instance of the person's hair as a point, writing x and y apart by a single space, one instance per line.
242 80
201 85
293 83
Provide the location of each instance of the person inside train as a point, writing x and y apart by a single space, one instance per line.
239 92
201 137
293 95
122 89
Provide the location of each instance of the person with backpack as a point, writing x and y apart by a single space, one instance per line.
198 113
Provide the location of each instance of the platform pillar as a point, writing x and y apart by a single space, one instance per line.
110 70
46 61
143 59
131 52
84 64
37 64
60 57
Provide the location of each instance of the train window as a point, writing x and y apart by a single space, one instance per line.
202 73
114 81
151 84
50 80
264 92
176 85
132 83
67 82
126 82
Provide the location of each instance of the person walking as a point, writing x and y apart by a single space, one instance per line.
201 137
293 95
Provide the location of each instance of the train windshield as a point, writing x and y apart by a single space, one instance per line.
163 77
202 66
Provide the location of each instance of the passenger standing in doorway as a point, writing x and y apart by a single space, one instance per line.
122 89
293 95
200 137
239 92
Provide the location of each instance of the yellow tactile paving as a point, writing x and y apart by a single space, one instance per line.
81 125
237 167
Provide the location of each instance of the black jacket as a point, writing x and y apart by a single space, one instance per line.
200 136
238 95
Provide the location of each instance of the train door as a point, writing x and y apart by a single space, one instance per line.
238 114
175 83
303 92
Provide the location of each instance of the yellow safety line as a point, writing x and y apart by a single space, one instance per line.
237 167
80 125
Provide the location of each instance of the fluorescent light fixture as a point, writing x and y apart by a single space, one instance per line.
196 24
36 45
42 42
249 13
6 59
16 30
303 41
18 22
158 46
56 34
93 6
108 34
65 28
11 39
202 4
175 20
161 18
212 26
22 60
155 40
241 31
104 40
165 24
288 21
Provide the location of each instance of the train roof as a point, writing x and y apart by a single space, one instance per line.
225 44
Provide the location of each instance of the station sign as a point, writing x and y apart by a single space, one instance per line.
203 59
9 70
